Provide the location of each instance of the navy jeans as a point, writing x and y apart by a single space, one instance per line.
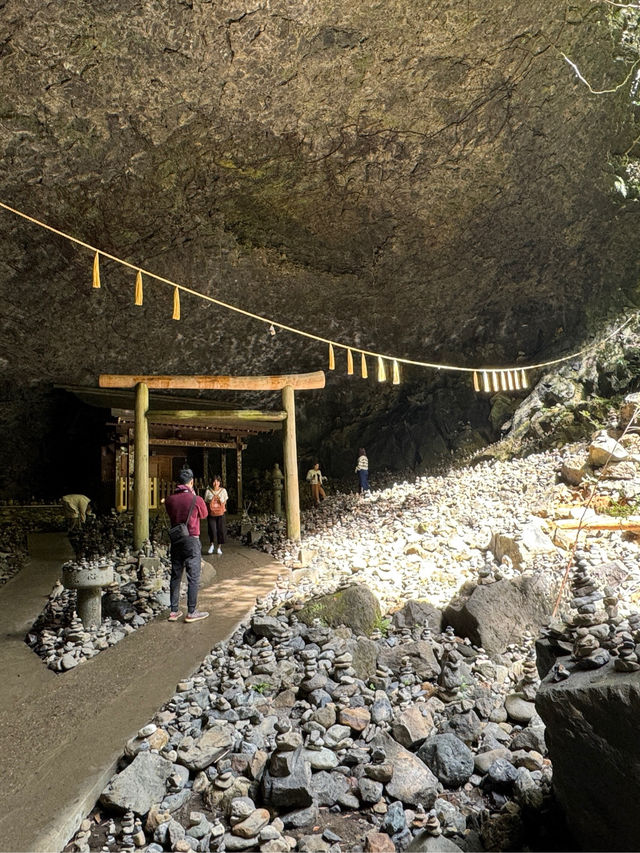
185 555
364 480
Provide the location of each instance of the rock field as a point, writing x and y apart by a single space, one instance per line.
302 733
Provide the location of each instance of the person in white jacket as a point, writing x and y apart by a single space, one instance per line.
362 470
314 476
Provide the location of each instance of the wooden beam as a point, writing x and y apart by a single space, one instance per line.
185 442
155 417
141 469
298 381
290 452
631 523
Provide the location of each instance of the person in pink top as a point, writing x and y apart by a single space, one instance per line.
185 506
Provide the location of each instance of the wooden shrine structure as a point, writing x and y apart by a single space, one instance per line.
143 418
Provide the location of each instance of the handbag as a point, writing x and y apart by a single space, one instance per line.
180 532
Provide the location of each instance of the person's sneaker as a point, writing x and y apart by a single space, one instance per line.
175 615
196 616
210 551
219 550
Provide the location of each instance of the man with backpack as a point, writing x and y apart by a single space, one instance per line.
185 507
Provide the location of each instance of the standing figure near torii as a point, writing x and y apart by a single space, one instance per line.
216 498
184 506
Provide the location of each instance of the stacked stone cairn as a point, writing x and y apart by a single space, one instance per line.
595 634
139 593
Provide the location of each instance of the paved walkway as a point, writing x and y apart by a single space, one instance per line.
62 735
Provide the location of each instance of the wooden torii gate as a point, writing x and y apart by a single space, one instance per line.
287 384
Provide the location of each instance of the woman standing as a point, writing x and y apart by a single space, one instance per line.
216 499
362 470
315 478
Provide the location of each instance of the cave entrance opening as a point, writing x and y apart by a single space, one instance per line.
223 428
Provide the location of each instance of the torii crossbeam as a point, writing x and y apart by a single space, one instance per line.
287 384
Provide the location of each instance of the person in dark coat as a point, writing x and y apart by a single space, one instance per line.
185 506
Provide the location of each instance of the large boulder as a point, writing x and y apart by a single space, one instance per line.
449 758
591 723
421 657
412 782
417 612
139 785
292 789
500 613
530 541
605 449
355 606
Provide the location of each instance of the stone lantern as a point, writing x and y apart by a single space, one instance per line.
277 478
88 580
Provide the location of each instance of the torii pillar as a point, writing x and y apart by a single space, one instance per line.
288 384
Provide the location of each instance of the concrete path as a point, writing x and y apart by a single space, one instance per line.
62 735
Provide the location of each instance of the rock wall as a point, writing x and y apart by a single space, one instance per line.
428 181
591 733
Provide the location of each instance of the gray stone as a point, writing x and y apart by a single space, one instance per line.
416 612
381 709
531 738
421 658
519 709
500 613
365 655
370 790
501 775
394 820
426 843
591 723
483 760
411 727
530 542
209 747
329 788
290 791
449 758
139 785
412 781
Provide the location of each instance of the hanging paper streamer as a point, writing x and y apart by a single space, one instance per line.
139 288
524 379
396 373
382 375
176 304
485 382
332 358
363 367
96 271
476 382
349 362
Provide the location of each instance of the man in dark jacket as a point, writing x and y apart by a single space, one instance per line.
186 554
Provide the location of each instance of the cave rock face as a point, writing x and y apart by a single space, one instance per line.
591 732
413 178
431 181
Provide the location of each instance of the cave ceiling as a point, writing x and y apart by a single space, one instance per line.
430 180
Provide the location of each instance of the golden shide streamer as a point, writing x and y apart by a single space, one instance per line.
96 271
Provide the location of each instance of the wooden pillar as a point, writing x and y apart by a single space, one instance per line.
291 494
239 473
141 473
205 465
223 467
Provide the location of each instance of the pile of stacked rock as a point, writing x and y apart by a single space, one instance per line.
289 725
139 592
